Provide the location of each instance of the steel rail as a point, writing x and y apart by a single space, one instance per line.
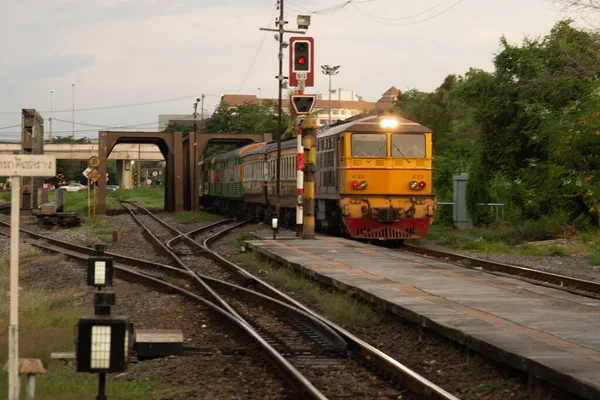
299 381
339 346
335 342
577 286
403 374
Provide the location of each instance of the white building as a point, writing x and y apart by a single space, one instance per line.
339 94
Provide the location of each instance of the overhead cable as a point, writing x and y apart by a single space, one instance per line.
379 21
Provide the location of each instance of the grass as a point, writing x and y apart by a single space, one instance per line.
47 320
487 387
45 316
340 307
240 239
187 217
4 197
148 197
594 258
102 231
507 239
62 382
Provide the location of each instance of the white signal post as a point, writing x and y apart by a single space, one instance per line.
17 166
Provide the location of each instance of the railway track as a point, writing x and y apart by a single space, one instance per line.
301 345
572 285
314 363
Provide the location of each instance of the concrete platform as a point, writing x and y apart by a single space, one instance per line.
552 335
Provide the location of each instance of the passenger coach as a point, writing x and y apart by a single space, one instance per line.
373 179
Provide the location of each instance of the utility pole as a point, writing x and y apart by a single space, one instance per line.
73 117
259 97
51 112
194 167
139 163
201 111
280 23
327 70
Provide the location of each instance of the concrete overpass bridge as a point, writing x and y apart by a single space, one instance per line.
75 151
181 153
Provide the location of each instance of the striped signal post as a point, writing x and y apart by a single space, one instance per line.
299 174
299 183
309 141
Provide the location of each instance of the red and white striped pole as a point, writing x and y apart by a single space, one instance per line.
300 176
299 183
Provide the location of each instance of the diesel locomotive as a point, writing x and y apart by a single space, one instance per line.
373 179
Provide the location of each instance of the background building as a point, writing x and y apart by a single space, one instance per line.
344 103
181 119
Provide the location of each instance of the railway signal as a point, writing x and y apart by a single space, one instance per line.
303 103
302 61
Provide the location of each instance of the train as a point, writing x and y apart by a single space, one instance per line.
373 179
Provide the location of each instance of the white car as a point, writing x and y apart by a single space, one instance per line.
73 187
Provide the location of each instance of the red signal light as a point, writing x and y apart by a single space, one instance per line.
301 60
422 184
355 184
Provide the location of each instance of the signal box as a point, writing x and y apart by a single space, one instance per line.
302 65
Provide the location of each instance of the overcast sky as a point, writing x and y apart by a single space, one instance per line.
122 52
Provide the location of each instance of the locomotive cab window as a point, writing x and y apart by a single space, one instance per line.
369 145
408 146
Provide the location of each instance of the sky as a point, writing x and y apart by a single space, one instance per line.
104 56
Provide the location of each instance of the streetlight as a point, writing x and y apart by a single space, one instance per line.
73 123
51 112
259 97
327 70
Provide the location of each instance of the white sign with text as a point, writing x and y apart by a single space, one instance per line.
27 165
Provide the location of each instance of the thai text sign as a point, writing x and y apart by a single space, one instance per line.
27 165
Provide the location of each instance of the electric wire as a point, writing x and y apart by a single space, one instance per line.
258 51
117 105
328 10
131 126
374 19
104 126
10 126
408 16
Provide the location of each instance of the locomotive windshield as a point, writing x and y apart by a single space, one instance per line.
369 145
408 146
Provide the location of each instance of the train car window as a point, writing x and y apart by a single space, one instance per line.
408 145
369 145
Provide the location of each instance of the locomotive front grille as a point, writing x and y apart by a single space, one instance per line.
386 233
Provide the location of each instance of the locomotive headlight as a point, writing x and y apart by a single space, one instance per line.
359 185
389 123
418 185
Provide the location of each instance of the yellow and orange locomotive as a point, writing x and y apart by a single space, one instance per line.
373 179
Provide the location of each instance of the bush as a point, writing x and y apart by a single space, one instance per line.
583 223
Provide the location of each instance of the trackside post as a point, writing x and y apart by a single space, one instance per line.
309 140
16 166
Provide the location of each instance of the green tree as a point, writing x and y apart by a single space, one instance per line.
536 116
246 118
180 128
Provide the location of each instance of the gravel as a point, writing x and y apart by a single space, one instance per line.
214 374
